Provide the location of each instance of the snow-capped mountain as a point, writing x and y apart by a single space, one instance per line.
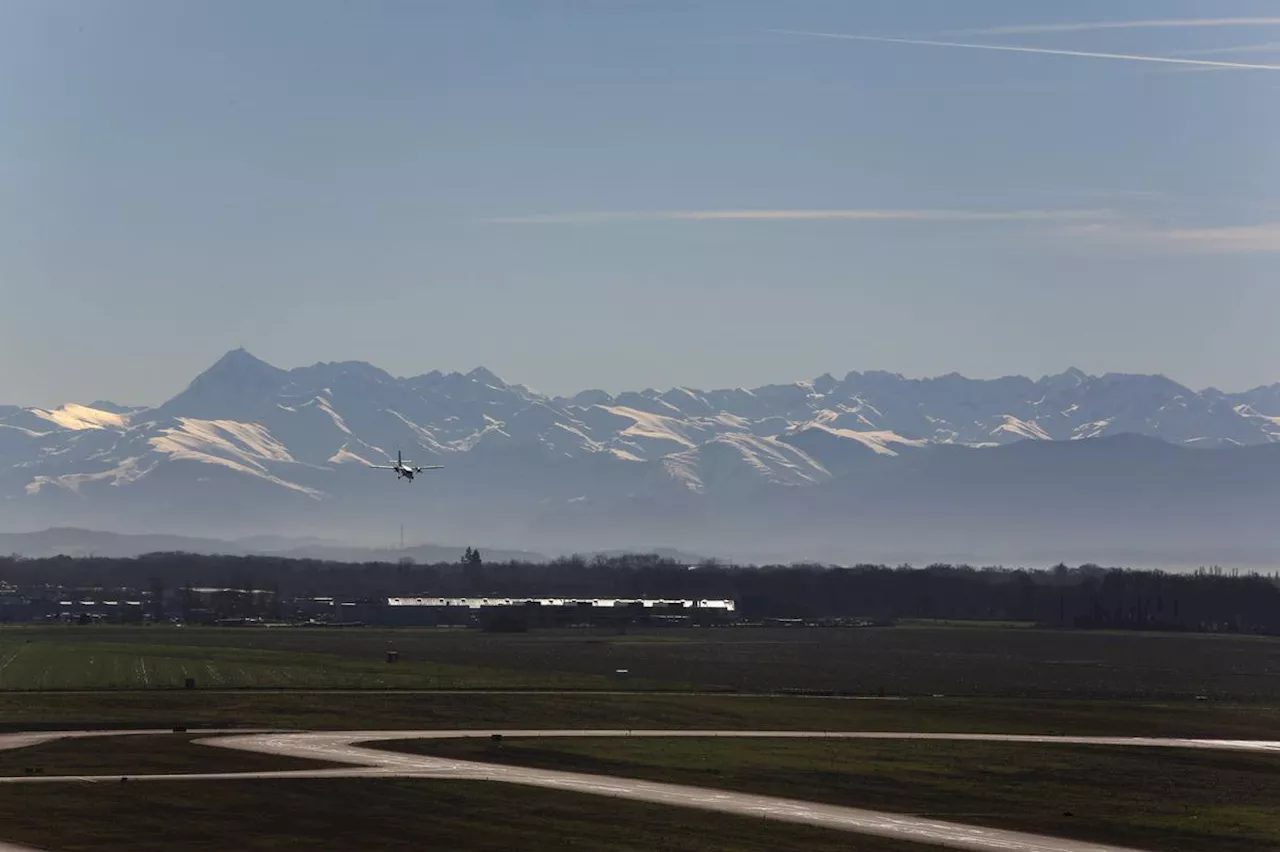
250 448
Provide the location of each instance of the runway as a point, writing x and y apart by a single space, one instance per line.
343 747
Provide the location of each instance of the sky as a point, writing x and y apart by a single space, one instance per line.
636 193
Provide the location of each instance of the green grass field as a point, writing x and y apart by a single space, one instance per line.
121 659
347 711
972 661
256 816
1145 798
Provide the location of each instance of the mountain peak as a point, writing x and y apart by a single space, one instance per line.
239 357
234 379
825 383
1068 378
239 364
486 377
111 407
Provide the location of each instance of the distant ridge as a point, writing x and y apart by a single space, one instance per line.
872 465
74 542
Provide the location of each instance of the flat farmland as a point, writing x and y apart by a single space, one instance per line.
977 661
385 814
71 659
980 661
365 710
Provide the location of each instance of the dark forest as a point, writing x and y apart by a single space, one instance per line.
1076 597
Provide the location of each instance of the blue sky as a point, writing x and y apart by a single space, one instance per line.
635 193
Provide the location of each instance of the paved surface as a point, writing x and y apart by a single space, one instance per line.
343 747
255 741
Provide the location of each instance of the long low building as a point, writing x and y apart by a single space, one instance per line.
593 603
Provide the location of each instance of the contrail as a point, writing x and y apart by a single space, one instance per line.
1088 26
1267 47
1130 57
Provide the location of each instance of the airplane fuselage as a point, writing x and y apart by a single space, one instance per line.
404 469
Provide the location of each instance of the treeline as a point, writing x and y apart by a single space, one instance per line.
1083 597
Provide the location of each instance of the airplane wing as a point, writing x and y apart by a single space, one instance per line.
383 466
431 467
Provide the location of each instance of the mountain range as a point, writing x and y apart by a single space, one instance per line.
872 466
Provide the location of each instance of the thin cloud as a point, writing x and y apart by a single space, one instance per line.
1090 26
1139 194
1261 238
1129 57
848 215
1242 239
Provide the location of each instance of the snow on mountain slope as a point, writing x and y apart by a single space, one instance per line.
129 470
345 456
224 439
1021 429
655 431
244 448
742 460
77 417
882 442
39 422
1270 424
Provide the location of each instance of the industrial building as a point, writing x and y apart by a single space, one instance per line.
670 604
523 613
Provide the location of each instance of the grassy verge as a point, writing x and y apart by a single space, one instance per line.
140 754
45 659
976 660
386 815
1144 798
46 711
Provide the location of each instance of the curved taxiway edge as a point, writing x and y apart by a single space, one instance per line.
34 738
343 747
300 739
